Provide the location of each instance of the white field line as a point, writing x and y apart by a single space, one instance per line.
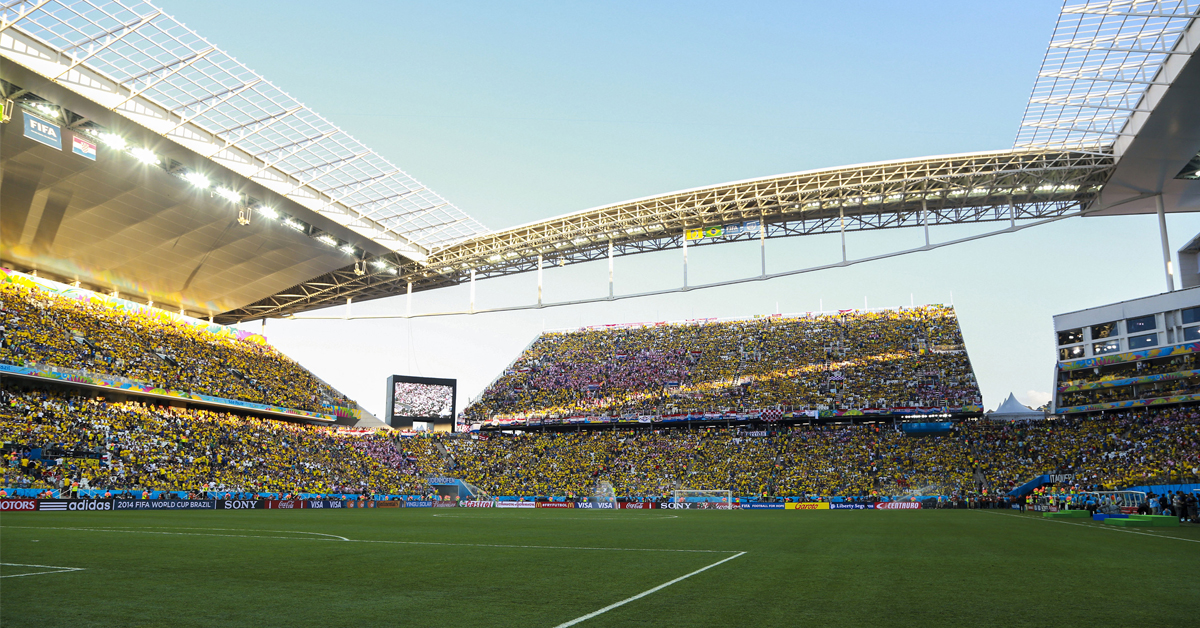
38 573
645 593
1095 527
344 539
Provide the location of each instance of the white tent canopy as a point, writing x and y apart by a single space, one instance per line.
1012 410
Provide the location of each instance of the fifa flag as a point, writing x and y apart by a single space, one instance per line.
39 130
83 148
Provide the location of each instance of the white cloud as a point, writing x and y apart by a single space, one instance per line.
1035 398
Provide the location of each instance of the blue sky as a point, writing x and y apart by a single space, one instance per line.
521 111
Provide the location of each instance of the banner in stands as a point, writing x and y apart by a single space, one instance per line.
897 506
1132 356
474 503
555 505
130 386
806 506
290 503
418 504
240 504
18 505
1135 403
515 505
597 505
162 504
757 506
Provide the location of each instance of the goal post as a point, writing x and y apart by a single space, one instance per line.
703 496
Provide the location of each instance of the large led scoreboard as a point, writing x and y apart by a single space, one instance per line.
427 400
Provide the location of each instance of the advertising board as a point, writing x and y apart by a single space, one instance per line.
476 503
555 505
416 504
757 506
240 504
639 505
515 505
160 504
290 504
851 506
18 505
325 503
596 505
806 506
385 503
897 506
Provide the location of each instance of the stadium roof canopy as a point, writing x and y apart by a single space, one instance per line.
1111 127
145 65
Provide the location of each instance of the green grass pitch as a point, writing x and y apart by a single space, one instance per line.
469 567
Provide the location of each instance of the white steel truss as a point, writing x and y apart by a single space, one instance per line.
138 61
978 187
1102 62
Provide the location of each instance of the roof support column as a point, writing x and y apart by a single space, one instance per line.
349 301
925 219
762 243
1166 247
539 280
842 229
610 269
408 301
472 290
685 258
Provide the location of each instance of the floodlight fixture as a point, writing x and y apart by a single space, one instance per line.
269 212
348 249
197 179
144 155
229 195
113 140
47 110
327 240
293 224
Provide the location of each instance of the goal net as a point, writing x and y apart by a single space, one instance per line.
604 492
1113 502
689 495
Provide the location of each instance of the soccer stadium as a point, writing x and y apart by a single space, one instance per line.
221 311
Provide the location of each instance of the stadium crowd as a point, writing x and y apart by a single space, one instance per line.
855 359
54 438
41 328
981 457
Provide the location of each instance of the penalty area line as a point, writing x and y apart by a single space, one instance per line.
645 593
56 569
1098 527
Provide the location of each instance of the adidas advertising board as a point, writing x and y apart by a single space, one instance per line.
74 504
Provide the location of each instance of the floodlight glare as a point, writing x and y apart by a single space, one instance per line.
113 140
144 155
197 179
349 248
47 110
229 195
293 224
269 212
327 240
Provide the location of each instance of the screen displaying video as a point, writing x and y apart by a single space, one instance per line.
431 401
421 400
